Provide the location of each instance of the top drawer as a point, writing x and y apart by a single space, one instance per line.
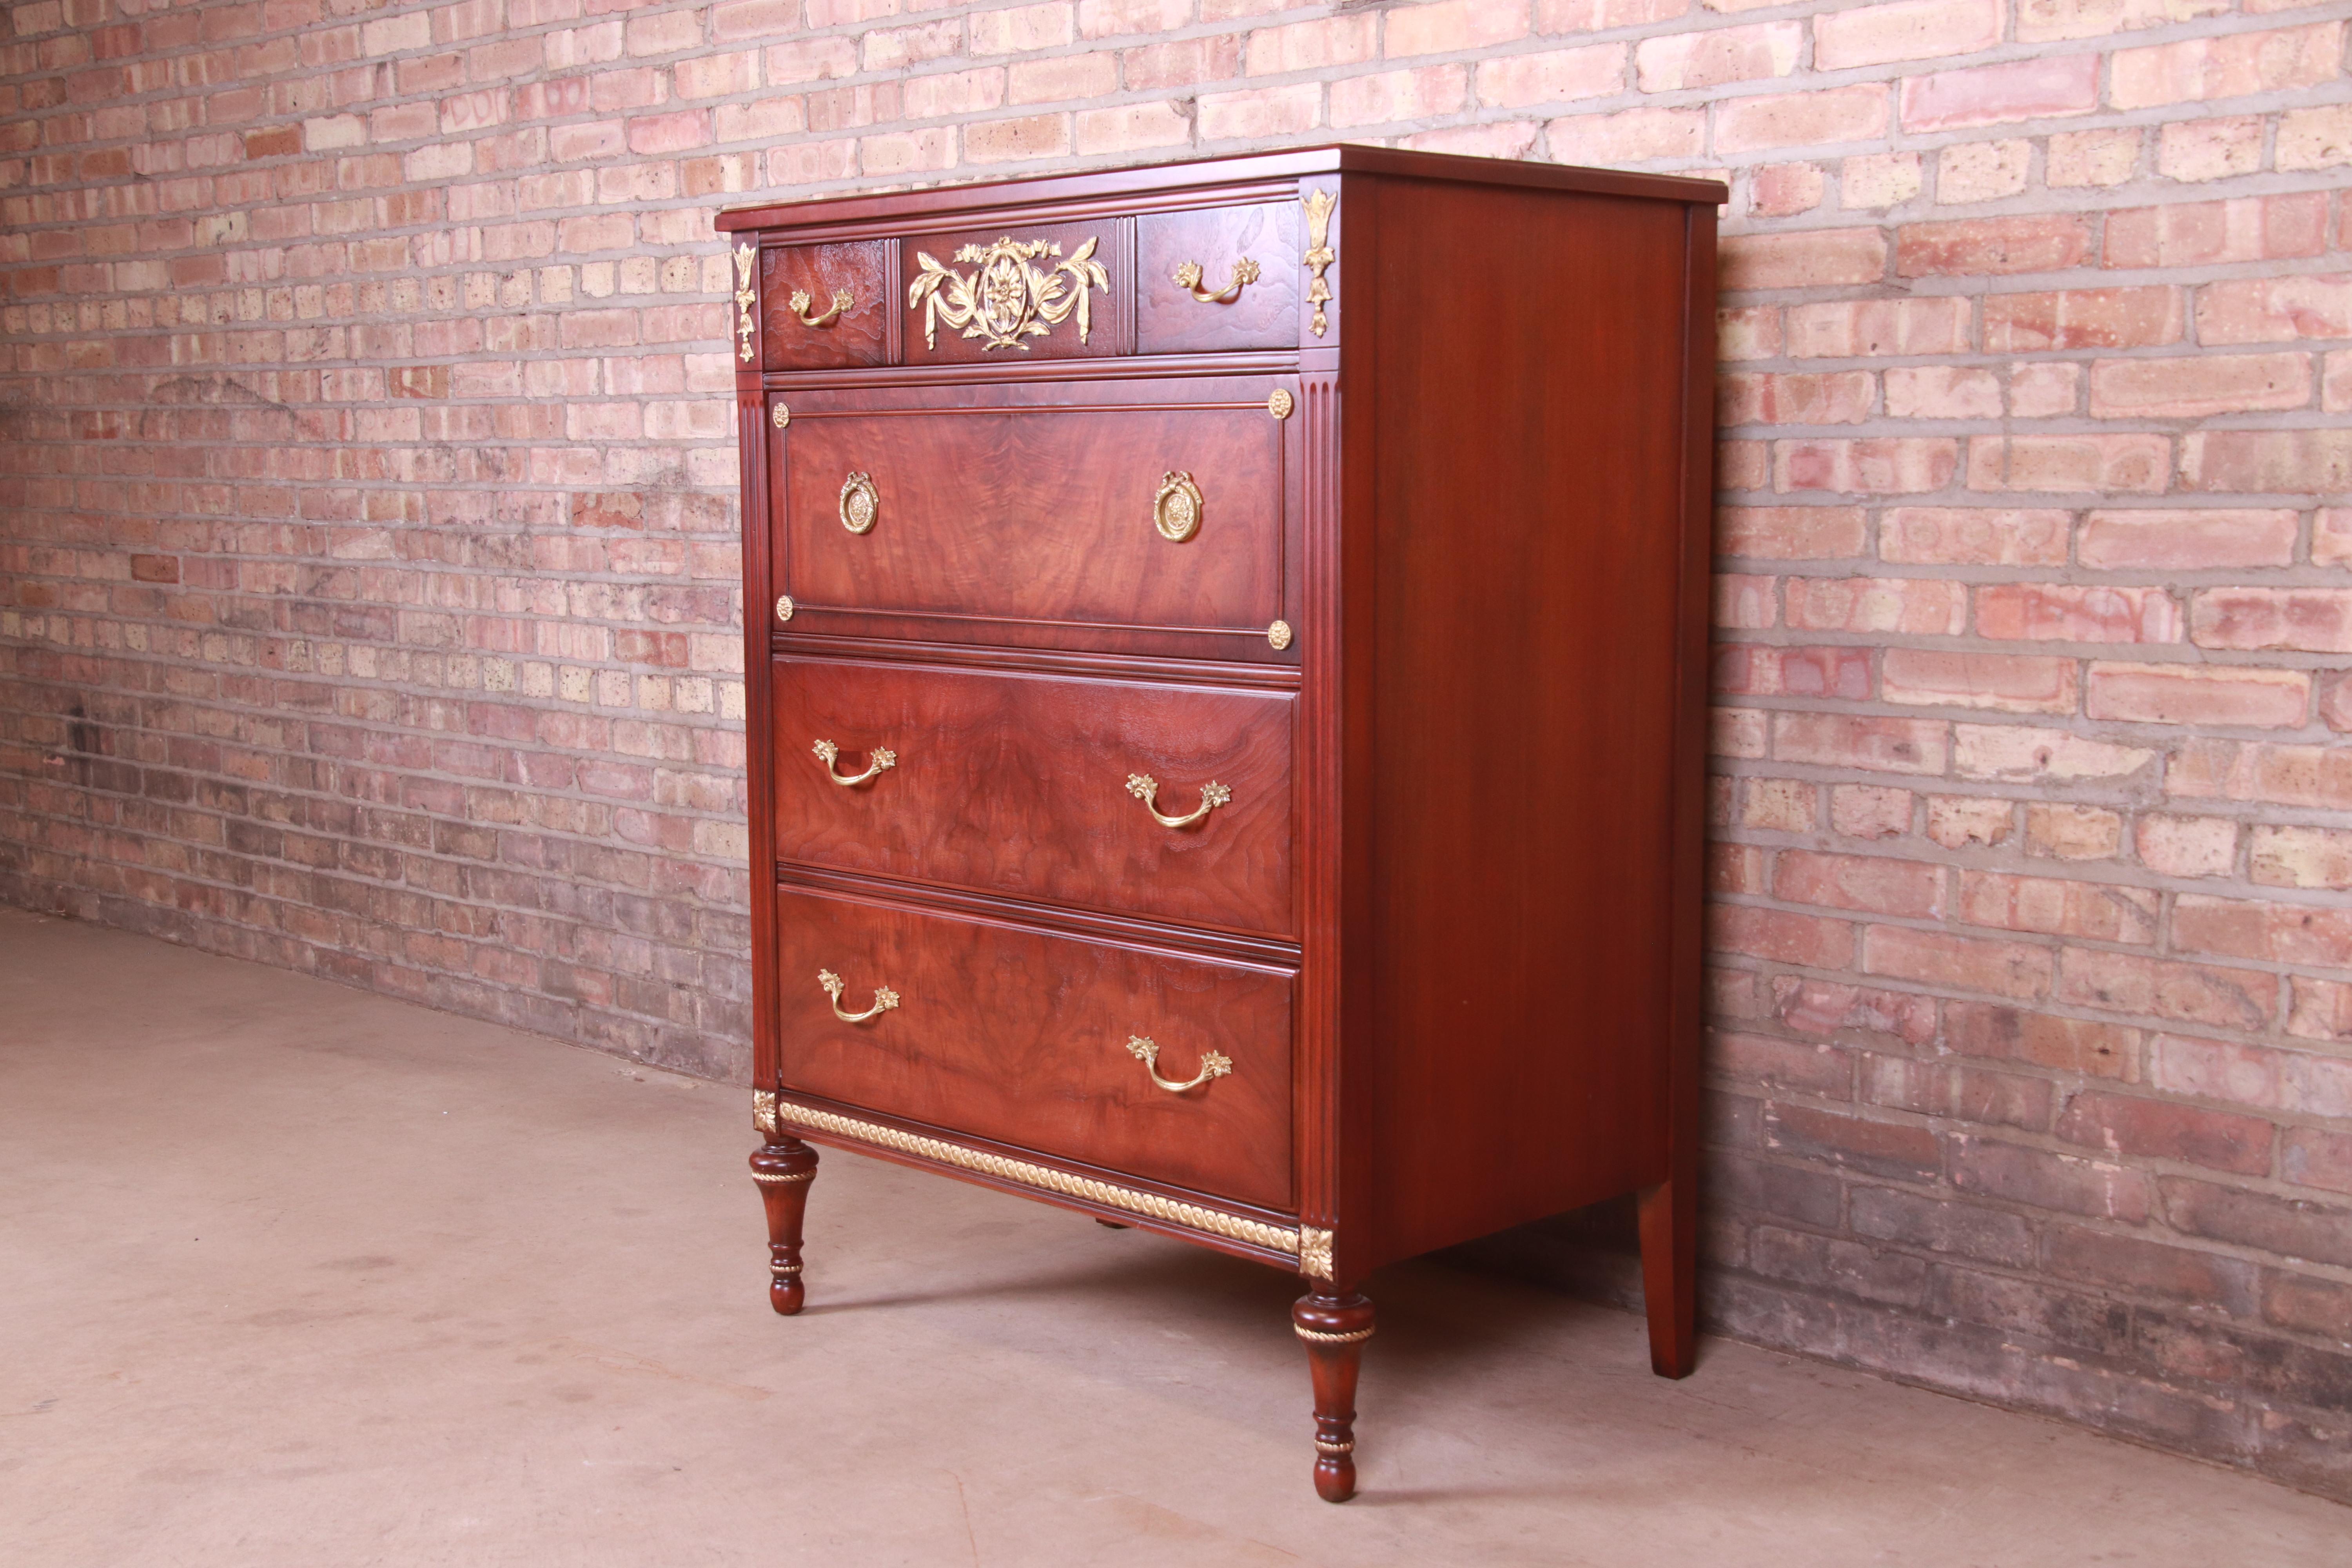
1128 517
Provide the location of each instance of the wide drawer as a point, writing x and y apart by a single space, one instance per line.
1028 1038
1036 786
1048 514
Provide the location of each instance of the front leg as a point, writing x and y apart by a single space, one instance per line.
784 1166
1335 1327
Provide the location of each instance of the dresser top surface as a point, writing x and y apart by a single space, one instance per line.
983 195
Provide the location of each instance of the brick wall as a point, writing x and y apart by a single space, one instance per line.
369 550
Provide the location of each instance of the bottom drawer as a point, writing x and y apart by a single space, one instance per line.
1023 1037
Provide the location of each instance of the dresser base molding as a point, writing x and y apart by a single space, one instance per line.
1192 1217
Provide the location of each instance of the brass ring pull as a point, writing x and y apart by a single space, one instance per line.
1214 1064
884 999
1176 508
1188 276
860 504
1145 788
884 760
841 301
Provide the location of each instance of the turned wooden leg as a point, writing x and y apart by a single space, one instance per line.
1669 1274
1334 1328
784 1169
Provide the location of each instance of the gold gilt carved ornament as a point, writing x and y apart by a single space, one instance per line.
1192 1217
841 301
745 295
1009 297
1315 1252
1320 254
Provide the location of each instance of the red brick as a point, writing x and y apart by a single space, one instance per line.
2311 620
1679 61
2209 149
2066 1045
1853 741
2018 971
2321 1010
2197 234
2229 66
1449 27
1905 30
1631 136
2277 309
1942 392
1899 1150
2005 683
1993 95
1972 536
2186 993
2082 319
2301 934
1559 76
2143 1267
2314 1232
2295 857
1851 329
2187 846
1876 466
2316 138
1790 532
2166 539
2308 1305
2097 464
1869 883
1761 669
2058 612
1782 1066
1927 607
2049 907
1807 258
2055 1181
2195 694
1779 190
1868 811
1977 246
2157 1128
1838 397
1824 116
1779 936
2313 1157
2294 462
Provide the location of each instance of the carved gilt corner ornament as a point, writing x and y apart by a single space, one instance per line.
1009 297
1320 254
763 1110
1314 1252
745 295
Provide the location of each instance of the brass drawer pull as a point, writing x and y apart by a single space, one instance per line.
1145 788
884 999
1214 1064
884 760
1176 510
860 503
1188 276
841 301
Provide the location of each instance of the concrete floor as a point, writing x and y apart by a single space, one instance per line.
292 1275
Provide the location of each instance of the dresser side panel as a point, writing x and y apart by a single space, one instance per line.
1528 485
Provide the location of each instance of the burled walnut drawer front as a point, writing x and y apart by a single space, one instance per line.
1219 278
1043 513
1025 1038
824 306
1041 786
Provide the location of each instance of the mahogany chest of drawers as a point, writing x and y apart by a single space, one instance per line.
1227 652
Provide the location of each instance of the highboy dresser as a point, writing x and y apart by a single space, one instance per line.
1226 656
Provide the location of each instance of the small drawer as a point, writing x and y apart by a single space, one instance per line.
1015 294
1050 514
1223 278
1031 1039
1041 787
824 306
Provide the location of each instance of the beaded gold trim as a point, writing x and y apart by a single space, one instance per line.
1353 1336
782 1175
1191 1216
1325 1445
783 1271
